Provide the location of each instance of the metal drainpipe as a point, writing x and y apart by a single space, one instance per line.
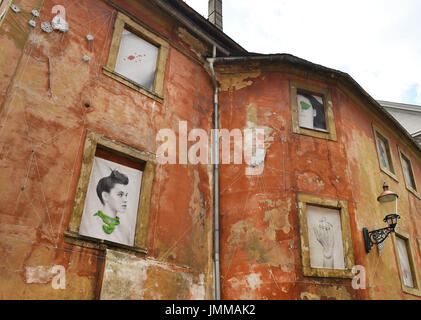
216 179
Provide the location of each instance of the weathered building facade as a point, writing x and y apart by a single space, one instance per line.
68 97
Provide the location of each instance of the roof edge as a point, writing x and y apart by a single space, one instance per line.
400 106
288 58
194 18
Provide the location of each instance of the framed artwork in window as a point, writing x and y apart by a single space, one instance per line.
312 111
326 243
408 272
112 202
137 58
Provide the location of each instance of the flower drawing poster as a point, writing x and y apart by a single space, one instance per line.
111 204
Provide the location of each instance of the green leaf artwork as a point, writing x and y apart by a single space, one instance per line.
305 105
110 223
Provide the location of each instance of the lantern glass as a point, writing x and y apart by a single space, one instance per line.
389 207
388 201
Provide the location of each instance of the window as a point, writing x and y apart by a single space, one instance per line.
137 58
326 244
419 245
405 258
312 111
112 200
408 173
384 153
4 5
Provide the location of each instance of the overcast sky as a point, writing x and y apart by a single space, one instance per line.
377 42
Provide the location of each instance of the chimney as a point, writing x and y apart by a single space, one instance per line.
215 13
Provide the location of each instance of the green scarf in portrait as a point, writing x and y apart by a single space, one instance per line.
110 223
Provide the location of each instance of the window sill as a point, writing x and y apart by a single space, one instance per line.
131 84
389 173
414 192
315 129
74 238
316 133
412 291
328 273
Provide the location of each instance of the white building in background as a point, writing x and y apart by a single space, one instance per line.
408 115
417 136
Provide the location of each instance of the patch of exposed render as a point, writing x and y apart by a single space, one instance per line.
125 276
247 287
311 179
197 290
337 292
309 296
240 81
254 280
39 274
260 246
277 217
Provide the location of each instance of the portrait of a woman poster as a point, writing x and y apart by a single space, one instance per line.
111 204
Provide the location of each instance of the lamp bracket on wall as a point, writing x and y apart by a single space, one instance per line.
376 237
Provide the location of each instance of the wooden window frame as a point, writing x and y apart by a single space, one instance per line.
377 133
7 7
122 22
330 133
308 271
405 236
419 245
92 141
403 155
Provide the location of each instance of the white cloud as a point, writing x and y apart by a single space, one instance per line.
378 42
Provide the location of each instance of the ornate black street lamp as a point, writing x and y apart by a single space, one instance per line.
389 201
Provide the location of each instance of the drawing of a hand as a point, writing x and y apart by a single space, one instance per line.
325 236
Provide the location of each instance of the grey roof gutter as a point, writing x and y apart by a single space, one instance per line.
332 73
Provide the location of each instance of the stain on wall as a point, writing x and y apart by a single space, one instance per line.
50 96
259 217
128 277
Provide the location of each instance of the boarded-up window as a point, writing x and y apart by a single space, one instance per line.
311 111
137 59
404 262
